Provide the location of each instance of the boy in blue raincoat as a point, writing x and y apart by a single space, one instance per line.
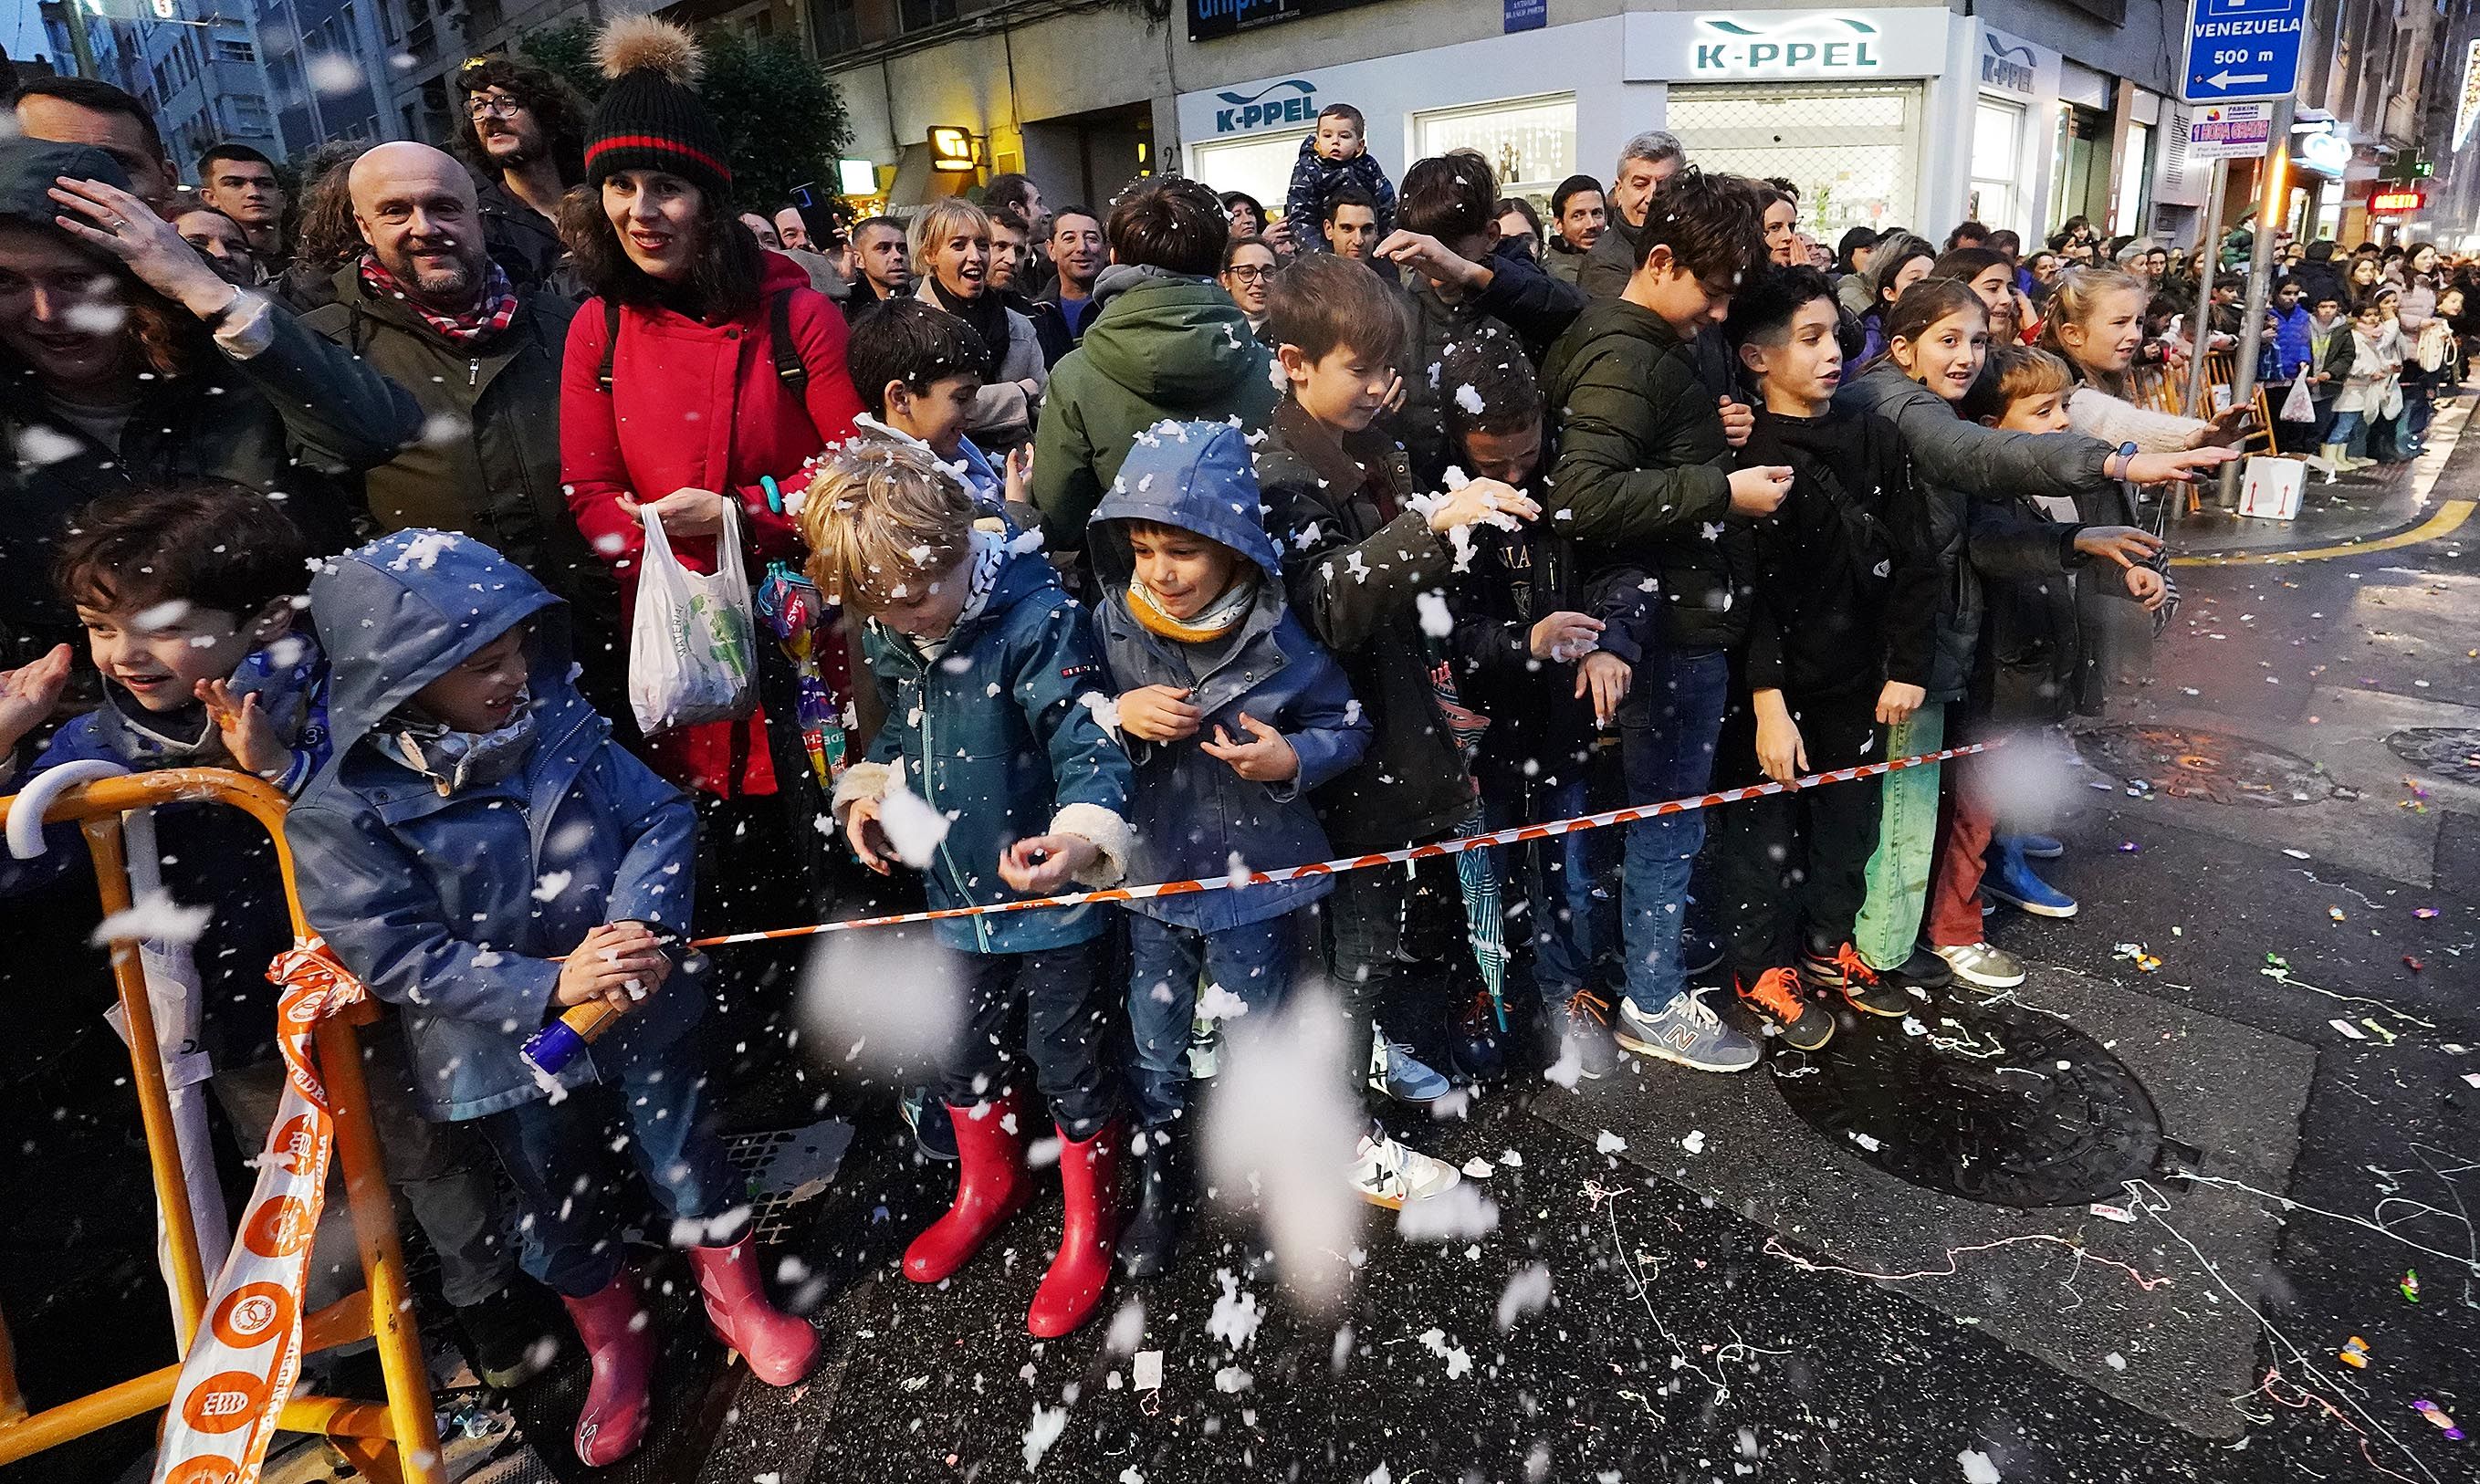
480 854
996 777
1234 717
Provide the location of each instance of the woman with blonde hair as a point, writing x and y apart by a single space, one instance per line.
951 251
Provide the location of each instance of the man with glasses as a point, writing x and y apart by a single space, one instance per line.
525 143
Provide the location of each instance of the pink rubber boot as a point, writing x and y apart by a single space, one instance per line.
619 1336
778 1346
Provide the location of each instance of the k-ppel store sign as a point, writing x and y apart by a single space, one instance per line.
1293 102
1673 46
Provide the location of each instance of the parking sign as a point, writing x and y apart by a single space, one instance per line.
2241 49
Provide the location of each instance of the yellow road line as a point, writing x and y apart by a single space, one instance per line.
2448 518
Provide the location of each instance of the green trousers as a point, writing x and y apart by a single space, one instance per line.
1908 826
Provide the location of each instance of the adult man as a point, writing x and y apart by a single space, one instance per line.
1578 215
525 143
1012 192
792 231
1350 222
885 273
763 230
219 240
241 182
80 111
1077 254
1011 278
1646 162
428 306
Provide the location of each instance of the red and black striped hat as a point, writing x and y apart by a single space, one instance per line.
650 119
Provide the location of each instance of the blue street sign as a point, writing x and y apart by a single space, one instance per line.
2241 49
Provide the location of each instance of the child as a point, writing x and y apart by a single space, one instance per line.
1644 484
2330 352
1840 644
993 681
918 369
1336 156
1361 561
2375 359
482 854
2293 356
1235 719
185 595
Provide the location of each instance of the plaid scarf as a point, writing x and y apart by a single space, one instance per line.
492 315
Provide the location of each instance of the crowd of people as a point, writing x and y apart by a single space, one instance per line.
1155 541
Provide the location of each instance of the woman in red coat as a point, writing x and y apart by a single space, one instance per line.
674 396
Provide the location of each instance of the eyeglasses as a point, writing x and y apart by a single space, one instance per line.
482 106
1248 274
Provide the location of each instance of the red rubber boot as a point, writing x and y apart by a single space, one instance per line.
619 1335
778 1346
1088 1177
991 1186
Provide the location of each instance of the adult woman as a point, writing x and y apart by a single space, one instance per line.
2414 312
1900 261
1248 274
1249 220
1520 224
1851 257
703 370
127 362
951 253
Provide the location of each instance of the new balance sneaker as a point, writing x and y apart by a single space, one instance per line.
2009 880
1395 1071
2040 847
1688 1031
934 1133
1776 995
1390 1174
1582 1028
1843 969
1980 965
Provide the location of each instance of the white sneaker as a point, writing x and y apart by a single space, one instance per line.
1984 965
1204 1048
1386 1173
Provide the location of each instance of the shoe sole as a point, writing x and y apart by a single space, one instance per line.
1381 1202
1667 1053
1378 1085
1819 1045
2037 908
2045 855
1867 1008
1981 979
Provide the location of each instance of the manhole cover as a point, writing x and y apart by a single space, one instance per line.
2190 763
1992 1102
2448 751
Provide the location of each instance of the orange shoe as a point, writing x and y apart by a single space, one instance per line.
1776 995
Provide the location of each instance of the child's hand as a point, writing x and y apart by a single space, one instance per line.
867 837
1159 713
1739 421
28 693
1781 754
1896 702
1019 474
1267 757
1606 677
2147 587
1045 862
1564 635
1759 490
619 964
248 735
2125 544
1483 499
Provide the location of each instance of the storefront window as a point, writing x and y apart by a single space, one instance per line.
1997 159
2134 181
1529 143
1261 165
1853 151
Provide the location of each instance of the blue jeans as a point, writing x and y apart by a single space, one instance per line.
1556 879
2350 430
559 1157
1251 962
1666 734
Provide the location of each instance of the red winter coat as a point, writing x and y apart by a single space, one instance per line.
700 406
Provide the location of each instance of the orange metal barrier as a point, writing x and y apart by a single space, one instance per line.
395 1441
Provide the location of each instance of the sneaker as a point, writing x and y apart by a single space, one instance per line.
1395 1071
1844 969
1776 996
1688 1031
509 1336
1204 1048
1980 964
1584 1027
1386 1173
1923 970
2011 881
2040 847
934 1131
1699 952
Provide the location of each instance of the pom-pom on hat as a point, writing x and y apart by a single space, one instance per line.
649 119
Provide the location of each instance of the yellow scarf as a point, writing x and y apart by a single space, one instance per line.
1219 619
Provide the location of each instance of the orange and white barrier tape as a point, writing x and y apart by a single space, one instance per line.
1516 834
245 1357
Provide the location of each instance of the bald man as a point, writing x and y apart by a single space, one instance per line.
426 305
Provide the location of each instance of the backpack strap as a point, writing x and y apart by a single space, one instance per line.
788 369
610 344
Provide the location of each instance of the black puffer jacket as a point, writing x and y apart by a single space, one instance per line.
1642 471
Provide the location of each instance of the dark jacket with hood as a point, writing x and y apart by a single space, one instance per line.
524 242
451 889
1519 301
1644 471
1358 560
1194 816
1000 731
1315 177
1161 346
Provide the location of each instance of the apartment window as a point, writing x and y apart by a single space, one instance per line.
923 15
234 51
836 25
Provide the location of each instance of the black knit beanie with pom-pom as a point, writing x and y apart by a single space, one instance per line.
649 119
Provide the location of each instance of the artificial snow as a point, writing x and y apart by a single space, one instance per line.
1977 1467
913 829
154 917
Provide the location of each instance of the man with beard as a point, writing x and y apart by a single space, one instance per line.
525 143
427 306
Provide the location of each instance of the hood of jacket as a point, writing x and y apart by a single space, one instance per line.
1173 341
1194 475
1609 318
406 610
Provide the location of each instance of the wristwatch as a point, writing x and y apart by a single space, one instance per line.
2126 458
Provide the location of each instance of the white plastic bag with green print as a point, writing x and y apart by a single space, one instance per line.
691 656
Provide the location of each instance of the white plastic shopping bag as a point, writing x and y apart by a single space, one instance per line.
691 656
2300 405
2272 489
